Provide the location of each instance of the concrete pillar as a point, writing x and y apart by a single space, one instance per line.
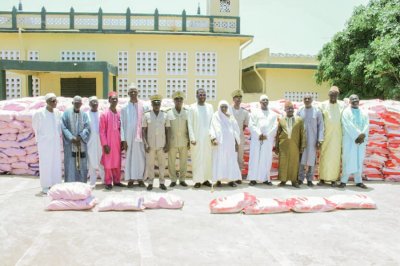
3 88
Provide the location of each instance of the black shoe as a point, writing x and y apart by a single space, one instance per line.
238 182
108 187
183 183
163 187
342 185
150 187
361 185
130 184
282 184
207 183
268 183
300 182
333 184
218 184
252 183
119 185
321 183
232 184
310 183
141 183
295 184
197 185
172 184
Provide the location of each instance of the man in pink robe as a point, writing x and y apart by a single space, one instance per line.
110 138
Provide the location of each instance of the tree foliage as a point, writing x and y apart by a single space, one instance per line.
364 58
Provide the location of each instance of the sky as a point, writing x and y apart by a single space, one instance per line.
284 26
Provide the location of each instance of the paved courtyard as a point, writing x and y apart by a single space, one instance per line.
192 236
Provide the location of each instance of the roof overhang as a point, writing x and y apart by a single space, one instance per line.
280 66
56 66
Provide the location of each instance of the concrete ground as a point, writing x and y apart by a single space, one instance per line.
192 236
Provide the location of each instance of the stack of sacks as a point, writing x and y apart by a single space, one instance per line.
18 151
119 203
232 204
392 121
377 151
162 201
246 152
249 204
71 196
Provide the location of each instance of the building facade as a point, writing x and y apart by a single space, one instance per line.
93 53
281 76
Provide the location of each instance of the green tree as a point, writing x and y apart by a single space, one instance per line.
364 58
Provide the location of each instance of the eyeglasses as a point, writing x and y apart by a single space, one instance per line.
53 101
202 94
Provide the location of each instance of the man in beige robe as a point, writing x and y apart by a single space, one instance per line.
290 143
242 118
330 157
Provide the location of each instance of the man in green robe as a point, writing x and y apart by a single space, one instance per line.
290 143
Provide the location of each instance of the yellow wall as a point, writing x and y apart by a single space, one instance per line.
279 81
107 46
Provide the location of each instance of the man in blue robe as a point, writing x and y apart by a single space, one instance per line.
355 127
76 131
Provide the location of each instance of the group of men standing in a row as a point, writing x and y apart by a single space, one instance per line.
93 142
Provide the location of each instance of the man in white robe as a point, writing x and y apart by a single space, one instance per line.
355 125
199 122
225 137
46 123
94 148
263 125
131 138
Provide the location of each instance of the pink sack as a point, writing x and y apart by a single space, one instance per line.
32 158
13 106
232 204
31 149
17 171
358 201
7 116
5 144
20 165
393 178
29 142
70 191
150 200
25 116
77 205
16 124
119 203
8 130
14 152
169 201
310 204
12 137
21 137
5 167
266 206
8 160
162 201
